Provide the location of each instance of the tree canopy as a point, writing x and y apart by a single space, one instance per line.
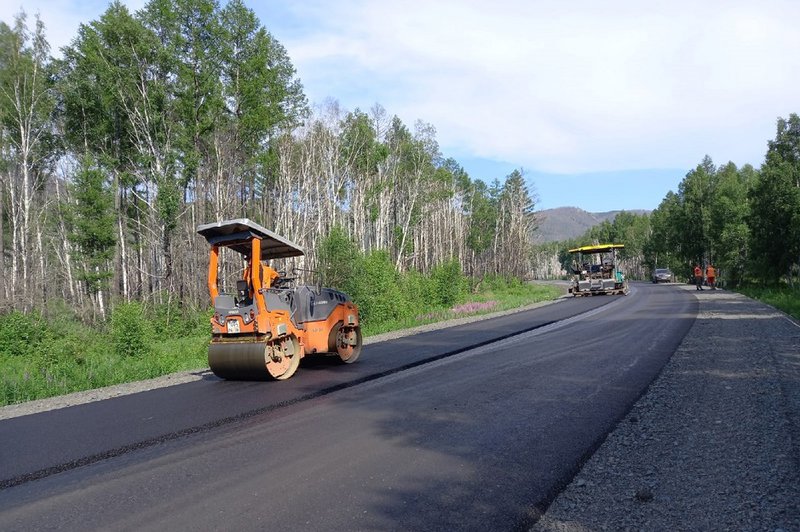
190 111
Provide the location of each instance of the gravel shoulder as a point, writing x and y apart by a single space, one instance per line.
714 444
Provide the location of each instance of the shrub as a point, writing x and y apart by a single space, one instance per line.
418 290
130 332
174 320
499 283
449 284
338 259
20 332
377 290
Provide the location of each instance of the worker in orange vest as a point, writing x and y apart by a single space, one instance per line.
698 277
711 275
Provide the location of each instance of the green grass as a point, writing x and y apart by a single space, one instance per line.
61 367
55 354
779 296
496 297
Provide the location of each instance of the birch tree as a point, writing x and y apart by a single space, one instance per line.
27 104
117 108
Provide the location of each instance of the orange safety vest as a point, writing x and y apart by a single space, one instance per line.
710 272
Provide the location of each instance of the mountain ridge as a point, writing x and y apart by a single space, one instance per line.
564 223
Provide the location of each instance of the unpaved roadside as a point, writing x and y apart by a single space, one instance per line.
714 444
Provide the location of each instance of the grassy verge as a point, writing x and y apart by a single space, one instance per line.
54 355
493 298
781 296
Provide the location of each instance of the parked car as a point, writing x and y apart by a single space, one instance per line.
663 275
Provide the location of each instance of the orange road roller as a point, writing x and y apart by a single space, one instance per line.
261 331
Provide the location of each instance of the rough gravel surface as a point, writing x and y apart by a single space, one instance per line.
714 444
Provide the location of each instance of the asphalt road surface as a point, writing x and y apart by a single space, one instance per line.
476 427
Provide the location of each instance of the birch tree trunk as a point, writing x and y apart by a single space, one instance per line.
27 101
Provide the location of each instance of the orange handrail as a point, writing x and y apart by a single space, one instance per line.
212 273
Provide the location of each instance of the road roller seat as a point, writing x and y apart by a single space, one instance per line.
302 302
243 293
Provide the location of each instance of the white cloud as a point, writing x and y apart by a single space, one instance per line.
564 87
557 87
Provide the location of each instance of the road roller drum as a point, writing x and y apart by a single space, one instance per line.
254 360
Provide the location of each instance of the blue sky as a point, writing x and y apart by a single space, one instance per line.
604 105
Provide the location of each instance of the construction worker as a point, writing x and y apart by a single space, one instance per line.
269 275
711 276
698 277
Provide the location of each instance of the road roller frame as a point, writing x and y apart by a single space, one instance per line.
263 330
595 271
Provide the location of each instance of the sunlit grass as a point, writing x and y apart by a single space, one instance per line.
490 299
45 373
782 297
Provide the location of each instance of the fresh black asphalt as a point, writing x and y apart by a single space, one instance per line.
473 441
49 442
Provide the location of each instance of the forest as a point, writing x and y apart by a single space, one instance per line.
185 113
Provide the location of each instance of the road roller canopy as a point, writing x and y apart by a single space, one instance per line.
599 248
237 235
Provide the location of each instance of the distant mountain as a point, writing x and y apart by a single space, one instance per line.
563 223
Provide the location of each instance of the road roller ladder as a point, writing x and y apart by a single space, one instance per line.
263 330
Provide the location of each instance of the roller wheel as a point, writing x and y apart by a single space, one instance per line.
255 361
283 357
348 344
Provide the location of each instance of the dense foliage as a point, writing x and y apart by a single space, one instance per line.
190 111
744 221
705 222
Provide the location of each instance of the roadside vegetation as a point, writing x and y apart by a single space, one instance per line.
44 354
779 296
